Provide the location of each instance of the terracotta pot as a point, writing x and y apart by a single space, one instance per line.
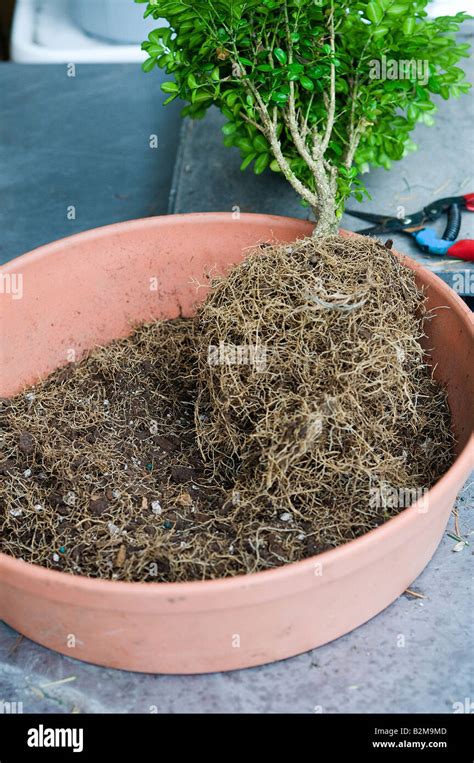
91 288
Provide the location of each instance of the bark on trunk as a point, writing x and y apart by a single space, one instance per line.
326 221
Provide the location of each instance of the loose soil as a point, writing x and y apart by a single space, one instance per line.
153 459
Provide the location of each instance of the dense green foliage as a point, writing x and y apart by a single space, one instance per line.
253 58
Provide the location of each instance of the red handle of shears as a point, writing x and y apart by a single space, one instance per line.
469 199
464 249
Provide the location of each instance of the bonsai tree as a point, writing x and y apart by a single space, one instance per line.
318 90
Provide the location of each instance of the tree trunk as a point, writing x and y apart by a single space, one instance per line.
327 223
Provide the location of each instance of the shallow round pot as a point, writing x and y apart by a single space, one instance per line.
93 287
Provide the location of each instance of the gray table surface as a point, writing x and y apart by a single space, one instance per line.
81 142
85 143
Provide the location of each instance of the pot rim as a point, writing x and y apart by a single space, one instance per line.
448 482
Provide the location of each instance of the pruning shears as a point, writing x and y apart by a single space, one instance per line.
426 238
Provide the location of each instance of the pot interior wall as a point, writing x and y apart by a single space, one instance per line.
448 346
92 288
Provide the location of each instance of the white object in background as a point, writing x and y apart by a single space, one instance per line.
45 32
112 20
447 7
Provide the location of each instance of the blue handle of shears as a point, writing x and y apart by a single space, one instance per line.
428 241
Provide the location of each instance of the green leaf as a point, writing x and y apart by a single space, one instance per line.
427 119
280 55
261 162
232 97
260 143
380 31
374 12
201 95
155 36
229 128
316 71
280 97
409 25
228 140
245 145
248 159
307 83
396 10
148 65
155 50
169 87
335 147
296 68
174 8
192 82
